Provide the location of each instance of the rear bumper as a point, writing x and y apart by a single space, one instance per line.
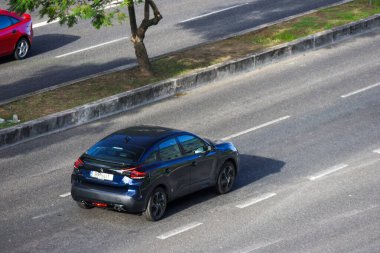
127 200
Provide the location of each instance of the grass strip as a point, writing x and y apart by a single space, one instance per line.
183 62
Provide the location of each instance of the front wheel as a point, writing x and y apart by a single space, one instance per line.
156 205
226 178
22 49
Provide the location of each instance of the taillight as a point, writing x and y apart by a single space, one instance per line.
134 173
78 163
137 174
98 204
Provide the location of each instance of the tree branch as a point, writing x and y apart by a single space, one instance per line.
132 20
146 22
146 11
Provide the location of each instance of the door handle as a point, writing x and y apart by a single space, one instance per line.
14 31
194 163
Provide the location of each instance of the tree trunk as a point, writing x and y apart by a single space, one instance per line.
138 34
142 57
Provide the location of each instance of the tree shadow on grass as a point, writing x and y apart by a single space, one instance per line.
252 169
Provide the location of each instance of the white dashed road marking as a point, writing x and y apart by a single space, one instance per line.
43 23
44 215
359 91
214 12
179 230
92 47
377 151
260 246
256 200
65 195
255 128
327 172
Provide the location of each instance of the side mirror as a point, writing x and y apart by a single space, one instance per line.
203 150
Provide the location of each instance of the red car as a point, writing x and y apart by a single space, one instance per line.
16 34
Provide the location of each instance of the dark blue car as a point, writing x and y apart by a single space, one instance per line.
142 168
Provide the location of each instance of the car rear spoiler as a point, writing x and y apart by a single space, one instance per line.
26 16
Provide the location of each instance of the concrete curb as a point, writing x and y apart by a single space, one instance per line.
169 88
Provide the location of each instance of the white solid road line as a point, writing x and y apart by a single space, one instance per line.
359 91
327 172
256 200
65 195
92 47
179 230
214 12
377 151
255 128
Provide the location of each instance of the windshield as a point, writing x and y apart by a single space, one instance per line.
116 148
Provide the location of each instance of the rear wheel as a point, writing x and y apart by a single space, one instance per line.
22 49
84 205
156 205
226 178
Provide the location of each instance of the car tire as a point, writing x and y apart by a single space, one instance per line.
226 178
84 205
156 205
21 49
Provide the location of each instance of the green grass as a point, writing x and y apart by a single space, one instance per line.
186 61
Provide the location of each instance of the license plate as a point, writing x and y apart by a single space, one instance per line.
101 176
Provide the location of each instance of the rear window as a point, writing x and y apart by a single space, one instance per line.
117 148
5 21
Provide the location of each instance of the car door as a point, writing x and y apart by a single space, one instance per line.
203 161
8 34
176 167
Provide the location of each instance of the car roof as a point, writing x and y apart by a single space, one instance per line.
2 11
13 14
145 135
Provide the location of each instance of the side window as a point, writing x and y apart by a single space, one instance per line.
169 150
5 21
192 145
153 157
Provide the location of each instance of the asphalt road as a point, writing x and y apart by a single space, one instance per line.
54 58
309 182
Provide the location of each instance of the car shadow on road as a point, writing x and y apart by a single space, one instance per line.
44 43
49 42
252 169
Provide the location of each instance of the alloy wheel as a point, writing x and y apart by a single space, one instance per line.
22 49
226 178
156 205
159 203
